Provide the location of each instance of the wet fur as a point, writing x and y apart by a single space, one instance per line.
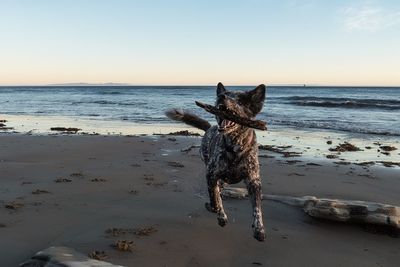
231 153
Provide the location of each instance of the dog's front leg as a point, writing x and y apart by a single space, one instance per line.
254 188
215 205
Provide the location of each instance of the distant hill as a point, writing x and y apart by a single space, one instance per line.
89 84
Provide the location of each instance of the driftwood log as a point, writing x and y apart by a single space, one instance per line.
230 115
333 209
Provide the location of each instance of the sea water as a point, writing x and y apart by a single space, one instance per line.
369 110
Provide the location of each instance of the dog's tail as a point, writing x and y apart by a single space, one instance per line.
188 118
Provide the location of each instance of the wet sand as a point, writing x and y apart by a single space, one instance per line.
134 182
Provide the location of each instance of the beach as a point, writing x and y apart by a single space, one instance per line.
73 190
129 128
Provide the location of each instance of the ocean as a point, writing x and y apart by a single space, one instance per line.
369 110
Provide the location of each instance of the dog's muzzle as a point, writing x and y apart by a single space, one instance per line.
225 125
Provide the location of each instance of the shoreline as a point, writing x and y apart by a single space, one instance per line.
309 144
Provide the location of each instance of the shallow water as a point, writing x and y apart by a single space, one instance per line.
370 110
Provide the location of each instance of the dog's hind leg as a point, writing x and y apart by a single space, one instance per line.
254 188
215 204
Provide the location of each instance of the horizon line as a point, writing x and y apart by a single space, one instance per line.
112 84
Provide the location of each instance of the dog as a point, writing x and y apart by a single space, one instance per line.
230 151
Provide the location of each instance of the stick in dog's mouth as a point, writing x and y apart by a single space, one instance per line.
230 118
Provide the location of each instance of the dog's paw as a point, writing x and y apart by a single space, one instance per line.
210 208
222 220
259 234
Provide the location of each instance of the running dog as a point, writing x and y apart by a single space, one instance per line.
230 150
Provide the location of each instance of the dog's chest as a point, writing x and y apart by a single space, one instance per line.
226 159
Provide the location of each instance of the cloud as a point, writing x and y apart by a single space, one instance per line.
370 18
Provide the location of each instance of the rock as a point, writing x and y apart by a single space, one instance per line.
63 257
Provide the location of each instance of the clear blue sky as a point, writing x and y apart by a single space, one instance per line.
200 42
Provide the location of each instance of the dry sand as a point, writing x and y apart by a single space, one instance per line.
133 182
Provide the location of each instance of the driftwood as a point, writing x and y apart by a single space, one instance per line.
230 115
63 257
333 209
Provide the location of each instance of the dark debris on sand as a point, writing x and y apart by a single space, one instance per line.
123 245
345 147
280 150
3 126
145 231
141 231
118 231
184 133
98 180
98 255
65 129
62 180
13 205
388 148
40 191
77 175
331 156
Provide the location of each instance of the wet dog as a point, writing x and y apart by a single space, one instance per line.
230 151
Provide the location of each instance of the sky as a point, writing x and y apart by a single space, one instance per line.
200 42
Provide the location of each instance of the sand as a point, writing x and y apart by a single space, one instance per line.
135 182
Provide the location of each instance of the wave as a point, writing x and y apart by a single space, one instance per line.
106 102
324 125
334 102
109 92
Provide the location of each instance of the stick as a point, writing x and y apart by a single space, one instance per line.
230 115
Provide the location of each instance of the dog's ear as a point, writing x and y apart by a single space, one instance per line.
256 98
220 88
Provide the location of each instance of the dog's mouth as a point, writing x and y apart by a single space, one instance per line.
225 125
